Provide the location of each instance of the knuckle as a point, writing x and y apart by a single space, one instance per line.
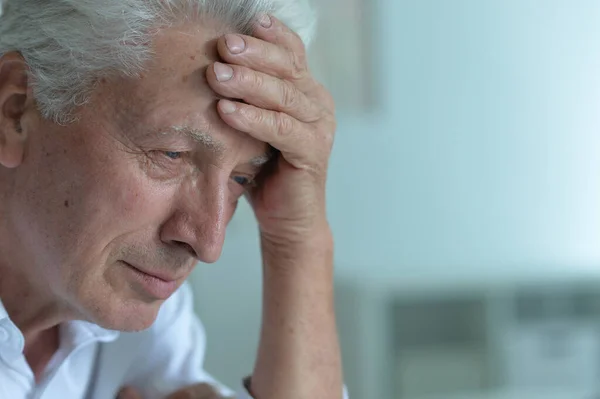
258 82
252 116
249 79
298 69
263 52
283 125
329 140
326 131
289 96
325 97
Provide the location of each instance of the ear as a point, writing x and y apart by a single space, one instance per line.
13 99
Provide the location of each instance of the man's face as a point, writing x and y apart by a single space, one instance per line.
143 184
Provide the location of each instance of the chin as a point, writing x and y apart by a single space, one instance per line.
122 314
137 318
116 302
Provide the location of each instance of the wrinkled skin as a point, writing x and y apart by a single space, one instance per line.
127 189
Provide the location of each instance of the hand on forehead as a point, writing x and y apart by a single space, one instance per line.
174 98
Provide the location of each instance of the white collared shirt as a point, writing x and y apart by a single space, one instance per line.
94 363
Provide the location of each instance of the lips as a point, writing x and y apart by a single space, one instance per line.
161 276
156 285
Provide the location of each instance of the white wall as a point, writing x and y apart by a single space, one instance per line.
484 156
485 153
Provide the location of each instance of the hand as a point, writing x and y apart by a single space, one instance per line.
199 391
277 101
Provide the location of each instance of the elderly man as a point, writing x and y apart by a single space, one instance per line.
129 130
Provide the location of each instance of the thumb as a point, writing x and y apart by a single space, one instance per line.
128 393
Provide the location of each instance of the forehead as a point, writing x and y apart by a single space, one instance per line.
172 95
186 47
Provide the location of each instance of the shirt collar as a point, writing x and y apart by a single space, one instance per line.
80 331
77 330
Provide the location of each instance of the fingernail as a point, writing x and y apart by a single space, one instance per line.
223 72
228 107
235 43
265 21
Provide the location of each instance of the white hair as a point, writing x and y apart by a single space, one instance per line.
70 44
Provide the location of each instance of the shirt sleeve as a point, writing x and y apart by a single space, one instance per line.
174 359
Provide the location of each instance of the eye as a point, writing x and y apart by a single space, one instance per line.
173 154
241 180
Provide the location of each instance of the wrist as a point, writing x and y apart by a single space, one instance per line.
298 246
297 234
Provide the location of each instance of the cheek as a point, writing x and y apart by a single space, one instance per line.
137 202
129 197
93 205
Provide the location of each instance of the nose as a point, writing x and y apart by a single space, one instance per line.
200 218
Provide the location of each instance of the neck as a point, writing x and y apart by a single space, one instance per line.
35 313
31 308
26 296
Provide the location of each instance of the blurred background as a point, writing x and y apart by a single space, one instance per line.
464 195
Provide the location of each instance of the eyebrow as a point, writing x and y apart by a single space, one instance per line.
215 146
199 136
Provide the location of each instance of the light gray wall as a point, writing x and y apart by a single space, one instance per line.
483 156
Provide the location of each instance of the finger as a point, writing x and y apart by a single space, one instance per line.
128 393
272 30
199 391
263 91
263 56
278 129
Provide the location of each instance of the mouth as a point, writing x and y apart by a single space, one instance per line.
153 284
